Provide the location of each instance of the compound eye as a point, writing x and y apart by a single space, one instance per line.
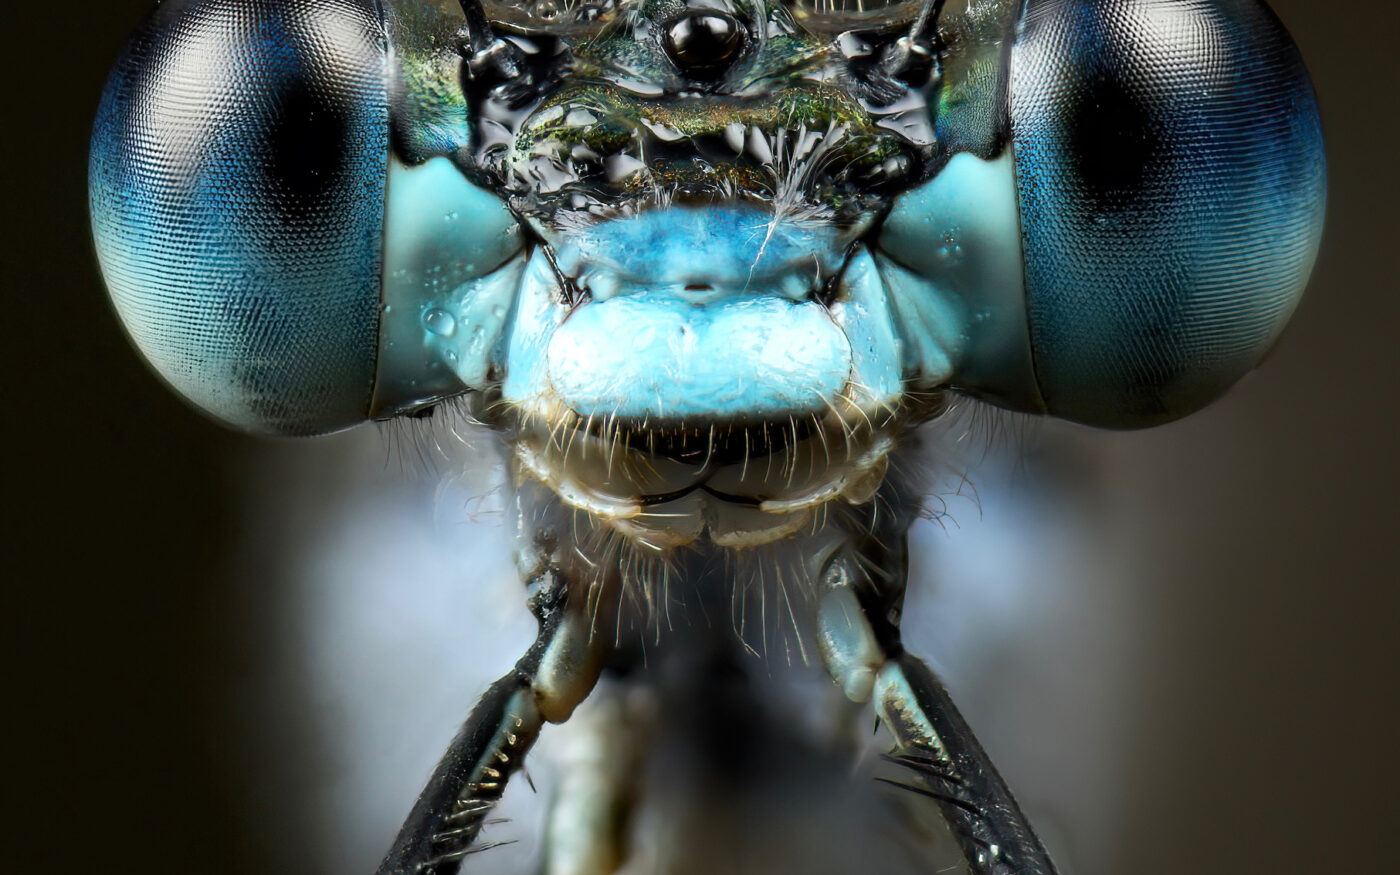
703 44
1171 179
237 195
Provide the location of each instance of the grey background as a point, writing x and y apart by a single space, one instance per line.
1238 570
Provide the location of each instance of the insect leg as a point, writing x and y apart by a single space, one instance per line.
598 764
553 677
862 651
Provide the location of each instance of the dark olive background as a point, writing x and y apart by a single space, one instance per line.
1264 728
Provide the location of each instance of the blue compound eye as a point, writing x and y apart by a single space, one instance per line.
1171 183
1121 214
237 192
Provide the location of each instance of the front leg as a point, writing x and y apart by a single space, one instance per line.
860 645
554 676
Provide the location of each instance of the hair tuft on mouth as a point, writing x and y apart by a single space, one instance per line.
710 444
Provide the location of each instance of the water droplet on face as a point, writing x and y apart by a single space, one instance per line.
440 322
951 250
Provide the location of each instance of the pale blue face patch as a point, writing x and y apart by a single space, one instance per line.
452 264
702 254
695 314
650 355
706 314
950 257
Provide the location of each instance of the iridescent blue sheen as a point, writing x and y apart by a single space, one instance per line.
1170 168
237 194
1126 203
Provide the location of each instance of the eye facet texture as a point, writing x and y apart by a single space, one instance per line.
237 195
1166 167
1171 179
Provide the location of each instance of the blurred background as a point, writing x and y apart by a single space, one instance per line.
228 655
